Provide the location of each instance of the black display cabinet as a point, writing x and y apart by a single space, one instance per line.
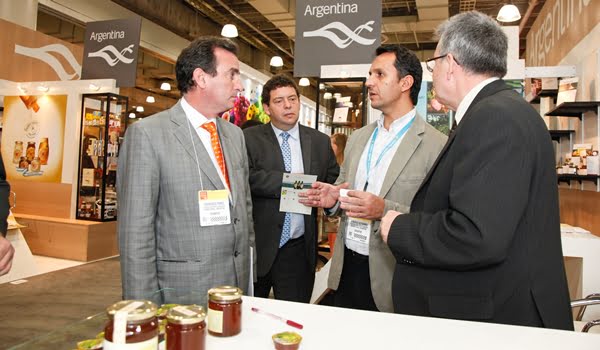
104 118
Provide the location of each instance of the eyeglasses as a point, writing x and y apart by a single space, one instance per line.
430 63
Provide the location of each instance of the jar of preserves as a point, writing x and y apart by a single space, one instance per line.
44 151
224 311
30 151
35 164
17 152
23 163
186 328
132 324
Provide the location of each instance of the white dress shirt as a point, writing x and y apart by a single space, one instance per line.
469 97
376 174
197 119
297 220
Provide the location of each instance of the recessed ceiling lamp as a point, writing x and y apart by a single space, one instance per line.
276 61
304 82
94 87
43 88
508 13
229 31
337 95
132 115
139 109
327 96
165 86
150 99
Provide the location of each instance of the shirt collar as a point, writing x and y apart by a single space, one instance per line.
196 118
469 97
397 124
294 132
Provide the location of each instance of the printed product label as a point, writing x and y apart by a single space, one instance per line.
150 344
215 320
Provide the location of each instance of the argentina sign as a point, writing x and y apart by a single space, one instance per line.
335 32
110 50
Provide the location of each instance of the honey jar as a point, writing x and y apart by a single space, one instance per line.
186 328
35 165
224 311
132 324
44 151
17 152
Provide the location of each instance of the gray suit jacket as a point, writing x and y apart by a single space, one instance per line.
415 155
162 245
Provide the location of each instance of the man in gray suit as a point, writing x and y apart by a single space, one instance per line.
384 164
185 213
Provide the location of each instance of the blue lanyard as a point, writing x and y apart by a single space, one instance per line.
385 149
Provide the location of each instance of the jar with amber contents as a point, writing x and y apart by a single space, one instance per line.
34 166
30 151
17 152
186 328
44 151
132 324
224 311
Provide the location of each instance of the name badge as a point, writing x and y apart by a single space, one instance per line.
359 231
214 207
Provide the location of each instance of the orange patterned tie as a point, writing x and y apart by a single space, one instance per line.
216 146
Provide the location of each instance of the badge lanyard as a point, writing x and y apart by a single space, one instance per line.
196 154
385 149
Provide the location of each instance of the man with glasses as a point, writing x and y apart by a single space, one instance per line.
384 164
286 242
482 240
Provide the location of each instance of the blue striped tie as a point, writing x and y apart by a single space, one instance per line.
286 232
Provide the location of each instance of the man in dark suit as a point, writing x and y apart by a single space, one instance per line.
482 239
286 243
7 251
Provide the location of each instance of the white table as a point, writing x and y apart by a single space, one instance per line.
584 276
23 264
336 328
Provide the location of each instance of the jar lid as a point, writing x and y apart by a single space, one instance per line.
224 293
186 314
137 310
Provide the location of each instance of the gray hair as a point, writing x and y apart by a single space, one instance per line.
476 41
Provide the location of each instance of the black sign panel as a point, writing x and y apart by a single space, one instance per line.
111 50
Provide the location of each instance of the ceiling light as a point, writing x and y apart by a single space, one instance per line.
132 115
321 86
508 13
150 99
139 109
304 82
43 88
165 86
337 95
327 95
276 61
94 87
229 31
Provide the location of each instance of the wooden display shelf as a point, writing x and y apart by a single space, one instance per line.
568 177
574 109
544 93
80 240
556 135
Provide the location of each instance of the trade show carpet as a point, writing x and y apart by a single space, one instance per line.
53 300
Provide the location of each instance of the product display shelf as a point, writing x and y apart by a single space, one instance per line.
544 93
557 135
569 177
574 109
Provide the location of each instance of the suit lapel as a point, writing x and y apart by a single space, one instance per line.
361 143
269 135
490 89
184 132
305 146
405 150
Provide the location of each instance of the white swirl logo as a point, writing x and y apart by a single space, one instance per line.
327 32
44 54
118 56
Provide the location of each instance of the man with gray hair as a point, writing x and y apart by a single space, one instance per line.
482 239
